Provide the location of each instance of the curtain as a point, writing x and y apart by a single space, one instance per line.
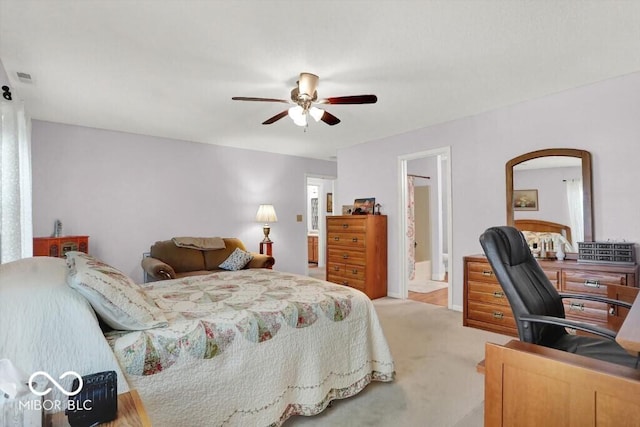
411 227
16 234
576 214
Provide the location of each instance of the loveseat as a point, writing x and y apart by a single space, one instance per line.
166 260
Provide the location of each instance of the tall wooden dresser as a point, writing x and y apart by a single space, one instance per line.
357 252
486 306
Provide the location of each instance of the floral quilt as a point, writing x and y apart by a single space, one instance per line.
261 346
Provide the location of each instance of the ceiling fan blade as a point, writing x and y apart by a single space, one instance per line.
276 117
354 99
246 98
329 119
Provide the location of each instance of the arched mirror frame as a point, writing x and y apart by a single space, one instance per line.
586 183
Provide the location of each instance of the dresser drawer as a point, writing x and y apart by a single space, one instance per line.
342 275
553 276
346 225
343 255
592 282
350 271
488 293
588 311
495 314
356 240
481 272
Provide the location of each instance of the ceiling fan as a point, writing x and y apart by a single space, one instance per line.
305 96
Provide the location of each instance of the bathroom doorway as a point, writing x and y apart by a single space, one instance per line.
426 242
319 202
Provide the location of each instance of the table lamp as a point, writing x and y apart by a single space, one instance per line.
266 214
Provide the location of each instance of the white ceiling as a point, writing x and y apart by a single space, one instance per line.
170 68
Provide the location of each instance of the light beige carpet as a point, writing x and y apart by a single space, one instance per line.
436 380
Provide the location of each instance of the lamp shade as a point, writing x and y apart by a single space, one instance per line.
298 115
266 213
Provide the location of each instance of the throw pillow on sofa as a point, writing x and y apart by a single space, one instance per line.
237 260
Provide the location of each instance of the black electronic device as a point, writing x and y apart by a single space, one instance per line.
96 403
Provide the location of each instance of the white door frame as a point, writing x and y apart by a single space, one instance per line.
321 217
403 241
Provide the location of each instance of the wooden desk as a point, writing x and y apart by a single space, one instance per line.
629 333
131 413
530 385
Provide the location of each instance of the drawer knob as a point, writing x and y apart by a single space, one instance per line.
576 306
336 268
487 273
345 256
345 225
345 283
337 239
354 240
592 283
354 271
498 315
498 294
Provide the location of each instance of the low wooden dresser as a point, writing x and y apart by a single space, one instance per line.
59 246
486 306
357 252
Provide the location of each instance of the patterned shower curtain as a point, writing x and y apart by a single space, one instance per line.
411 227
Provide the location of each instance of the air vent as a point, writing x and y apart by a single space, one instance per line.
24 77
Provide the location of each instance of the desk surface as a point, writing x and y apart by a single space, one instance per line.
629 334
131 413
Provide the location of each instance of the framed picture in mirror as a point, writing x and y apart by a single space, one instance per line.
525 200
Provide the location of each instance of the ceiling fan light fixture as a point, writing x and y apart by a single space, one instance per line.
316 113
308 84
298 115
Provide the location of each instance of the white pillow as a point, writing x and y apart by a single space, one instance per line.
237 260
114 296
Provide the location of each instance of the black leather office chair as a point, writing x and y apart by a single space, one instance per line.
537 305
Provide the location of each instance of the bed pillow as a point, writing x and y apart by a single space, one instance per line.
237 260
118 301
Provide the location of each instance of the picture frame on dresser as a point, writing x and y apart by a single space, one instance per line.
364 206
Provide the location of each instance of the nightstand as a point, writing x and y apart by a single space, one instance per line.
131 413
266 247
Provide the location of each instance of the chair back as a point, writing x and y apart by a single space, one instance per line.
526 286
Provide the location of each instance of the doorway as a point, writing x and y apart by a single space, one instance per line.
425 180
319 204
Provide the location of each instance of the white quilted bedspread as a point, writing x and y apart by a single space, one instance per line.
252 348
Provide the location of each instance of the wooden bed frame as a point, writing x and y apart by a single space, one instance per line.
543 226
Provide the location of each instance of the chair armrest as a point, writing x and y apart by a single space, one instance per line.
261 261
596 298
157 269
561 321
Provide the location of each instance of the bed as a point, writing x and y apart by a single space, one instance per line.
536 231
247 347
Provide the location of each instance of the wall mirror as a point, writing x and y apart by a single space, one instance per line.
549 191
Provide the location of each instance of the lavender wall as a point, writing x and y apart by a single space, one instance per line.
127 191
601 118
